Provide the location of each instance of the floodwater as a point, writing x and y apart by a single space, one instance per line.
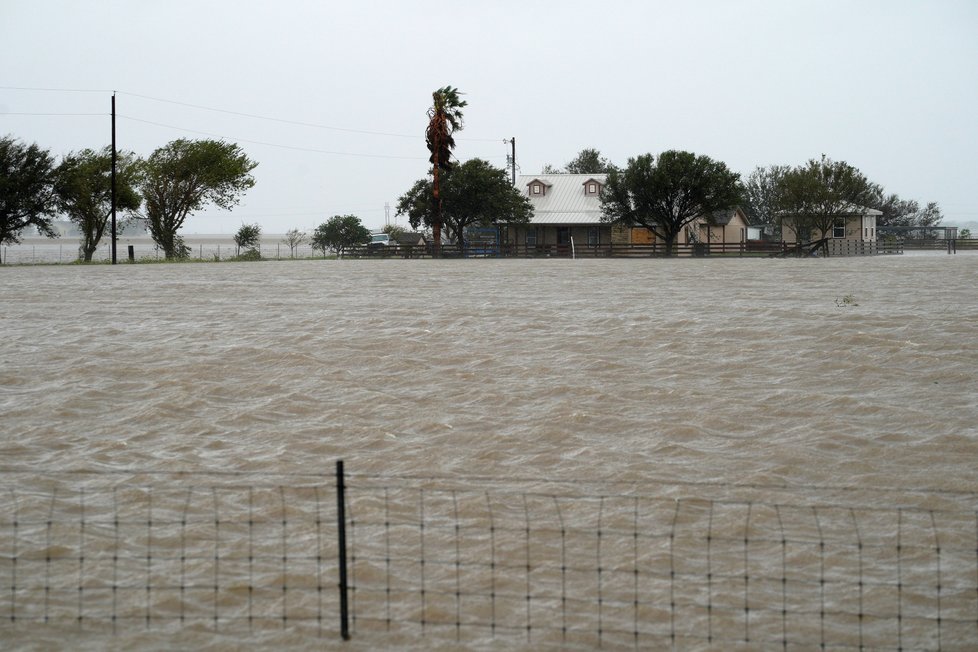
842 372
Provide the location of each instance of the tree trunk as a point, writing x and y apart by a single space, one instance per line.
436 223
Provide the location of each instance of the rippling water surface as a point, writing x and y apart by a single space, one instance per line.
850 371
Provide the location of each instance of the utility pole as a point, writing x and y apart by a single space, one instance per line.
114 260
512 158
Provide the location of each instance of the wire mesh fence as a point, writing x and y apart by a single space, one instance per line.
649 572
225 557
470 560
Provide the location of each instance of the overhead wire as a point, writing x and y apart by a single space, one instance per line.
292 122
265 143
244 114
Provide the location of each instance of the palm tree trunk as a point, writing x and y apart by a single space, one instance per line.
436 223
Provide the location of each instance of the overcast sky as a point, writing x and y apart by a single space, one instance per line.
889 86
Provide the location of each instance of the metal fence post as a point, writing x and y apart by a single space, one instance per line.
341 543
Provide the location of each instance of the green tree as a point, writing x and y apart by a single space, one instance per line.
186 175
587 161
666 194
83 192
338 233
26 195
444 119
393 230
294 238
903 212
760 194
248 238
473 194
817 195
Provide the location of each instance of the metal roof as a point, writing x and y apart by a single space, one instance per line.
565 201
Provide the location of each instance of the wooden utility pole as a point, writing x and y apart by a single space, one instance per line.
114 260
512 159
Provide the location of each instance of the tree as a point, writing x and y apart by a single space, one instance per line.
664 195
903 212
248 237
338 233
83 192
817 195
760 194
26 199
473 194
393 230
186 175
444 119
587 161
294 238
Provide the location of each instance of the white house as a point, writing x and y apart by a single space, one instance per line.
567 207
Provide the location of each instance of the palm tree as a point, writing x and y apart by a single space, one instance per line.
444 119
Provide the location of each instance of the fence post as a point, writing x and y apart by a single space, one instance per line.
341 543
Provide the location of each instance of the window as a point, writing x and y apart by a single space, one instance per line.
592 236
839 230
531 237
536 188
592 188
563 235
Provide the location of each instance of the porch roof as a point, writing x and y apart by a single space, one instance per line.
564 217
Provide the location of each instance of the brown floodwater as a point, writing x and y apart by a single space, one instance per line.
854 373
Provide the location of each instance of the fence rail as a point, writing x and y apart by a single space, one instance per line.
64 253
471 559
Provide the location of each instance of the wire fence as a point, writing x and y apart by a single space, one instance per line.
225 557
473 559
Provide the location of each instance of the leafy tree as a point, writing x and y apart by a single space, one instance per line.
473 194
294 238
964 233
186 175
815 196
338 233
26 175
587 161
760 194
666 194
903 212
83 191
444 119
248 237
393 230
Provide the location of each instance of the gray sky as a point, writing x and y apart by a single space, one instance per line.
889 86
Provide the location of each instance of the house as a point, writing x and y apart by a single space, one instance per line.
723 228
566 207
409 238
853 232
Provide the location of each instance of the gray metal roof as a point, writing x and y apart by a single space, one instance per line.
565 201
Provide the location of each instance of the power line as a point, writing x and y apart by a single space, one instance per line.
237 113
101 115
291 122
267 144
59 90
272 119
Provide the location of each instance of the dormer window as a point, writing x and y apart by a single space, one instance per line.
592 188
537 188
